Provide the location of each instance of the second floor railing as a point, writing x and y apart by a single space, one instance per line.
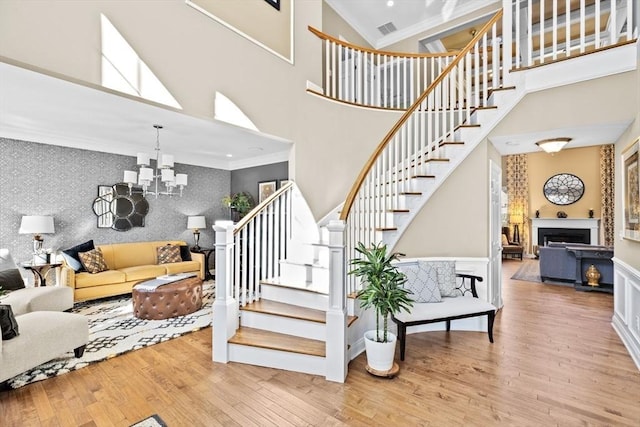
545 31
375 78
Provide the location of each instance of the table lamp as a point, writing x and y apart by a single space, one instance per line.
195 223
36 225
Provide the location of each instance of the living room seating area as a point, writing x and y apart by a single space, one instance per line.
558 261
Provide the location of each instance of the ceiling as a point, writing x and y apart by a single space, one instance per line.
410 17
38 107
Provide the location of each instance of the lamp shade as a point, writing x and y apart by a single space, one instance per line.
130 177
196 222
515 219
36 224
553 145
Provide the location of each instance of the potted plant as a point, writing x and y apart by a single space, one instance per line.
239 204
384 293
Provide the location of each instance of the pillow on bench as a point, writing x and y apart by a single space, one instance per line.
422 281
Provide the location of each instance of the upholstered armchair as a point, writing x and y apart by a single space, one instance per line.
510 248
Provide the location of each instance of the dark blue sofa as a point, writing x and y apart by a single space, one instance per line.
557 263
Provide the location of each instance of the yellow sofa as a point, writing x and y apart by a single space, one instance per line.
129 263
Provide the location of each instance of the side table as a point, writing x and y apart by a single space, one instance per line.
207 253
40 271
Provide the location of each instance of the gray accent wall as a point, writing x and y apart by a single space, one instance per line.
40 179
247 179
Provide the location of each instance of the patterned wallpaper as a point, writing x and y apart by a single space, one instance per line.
40 179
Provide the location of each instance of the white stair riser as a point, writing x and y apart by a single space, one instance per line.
295 297
321 255
301 253
277 359
467 134
483 116
283 325
296 273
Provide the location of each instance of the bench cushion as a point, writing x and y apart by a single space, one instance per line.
449 307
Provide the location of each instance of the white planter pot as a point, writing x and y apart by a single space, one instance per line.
380 354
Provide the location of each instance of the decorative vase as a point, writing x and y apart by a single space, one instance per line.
592 275
380 354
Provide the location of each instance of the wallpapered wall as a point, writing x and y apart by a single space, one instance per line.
39 179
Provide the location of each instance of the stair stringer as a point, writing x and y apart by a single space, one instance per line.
505 100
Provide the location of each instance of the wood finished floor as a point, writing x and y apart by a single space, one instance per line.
556 361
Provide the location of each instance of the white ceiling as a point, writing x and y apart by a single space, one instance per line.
410 17
37 107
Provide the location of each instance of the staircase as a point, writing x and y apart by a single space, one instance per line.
283 299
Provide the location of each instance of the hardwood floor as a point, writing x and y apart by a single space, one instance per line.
556 361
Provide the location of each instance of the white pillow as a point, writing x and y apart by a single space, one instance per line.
422 281
445 277
505 241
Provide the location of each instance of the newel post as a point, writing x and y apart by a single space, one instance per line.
336 344
225 307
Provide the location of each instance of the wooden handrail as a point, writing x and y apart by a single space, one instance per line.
324 36
255 211
365 170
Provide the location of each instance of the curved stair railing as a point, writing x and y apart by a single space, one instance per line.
375 78
409 151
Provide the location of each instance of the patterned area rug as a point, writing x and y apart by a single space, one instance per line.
113 330
152 421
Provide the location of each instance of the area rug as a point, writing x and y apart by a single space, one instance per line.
113 330
152 421
529 271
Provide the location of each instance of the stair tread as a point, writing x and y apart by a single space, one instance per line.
307 286
276 341
286 310
305 264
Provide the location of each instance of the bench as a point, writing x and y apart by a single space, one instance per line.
451 308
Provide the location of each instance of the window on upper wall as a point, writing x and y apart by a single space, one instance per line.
124 71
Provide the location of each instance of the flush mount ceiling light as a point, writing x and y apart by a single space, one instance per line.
389 3
553 145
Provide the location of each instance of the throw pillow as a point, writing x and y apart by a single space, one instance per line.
446 271
505 241
185 253
93 261
6 260
168 254
10 280
8 323
71 255
422 281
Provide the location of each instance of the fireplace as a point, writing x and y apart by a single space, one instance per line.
567 235
570 230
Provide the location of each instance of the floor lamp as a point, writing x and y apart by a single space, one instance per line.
516 220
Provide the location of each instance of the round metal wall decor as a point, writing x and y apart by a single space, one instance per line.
563 189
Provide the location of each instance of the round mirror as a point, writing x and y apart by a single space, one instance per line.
563 189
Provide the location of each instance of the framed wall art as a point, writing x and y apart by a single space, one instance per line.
274 3
266 189
631 192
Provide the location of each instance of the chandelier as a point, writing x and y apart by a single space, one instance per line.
163 173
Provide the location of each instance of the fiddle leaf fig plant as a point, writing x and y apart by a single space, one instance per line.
382 283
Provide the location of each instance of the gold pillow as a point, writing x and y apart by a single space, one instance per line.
168 254
93 261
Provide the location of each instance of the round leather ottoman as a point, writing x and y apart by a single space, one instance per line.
170 300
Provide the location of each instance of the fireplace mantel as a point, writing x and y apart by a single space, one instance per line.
592 224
